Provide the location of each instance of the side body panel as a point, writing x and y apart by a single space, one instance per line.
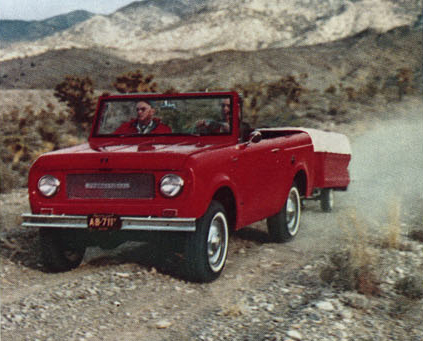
328 165
331 170
266 172
258 174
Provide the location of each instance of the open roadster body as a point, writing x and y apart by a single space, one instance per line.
192 183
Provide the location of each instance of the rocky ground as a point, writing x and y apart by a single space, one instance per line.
267 291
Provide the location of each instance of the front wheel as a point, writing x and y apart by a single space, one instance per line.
61 250
207 248
284 225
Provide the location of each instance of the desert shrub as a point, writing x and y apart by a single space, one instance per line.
400 83
135 82
353 267
363 92
331 90
351 93
171 90
417 234
26 135
8 178
288 86
15 151
370 89
274 99
348 273
252 94
404 78
78 93
410 287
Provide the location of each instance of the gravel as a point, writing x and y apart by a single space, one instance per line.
259 297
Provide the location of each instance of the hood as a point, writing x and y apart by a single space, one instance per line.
146 156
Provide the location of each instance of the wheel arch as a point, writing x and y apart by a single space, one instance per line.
226 197
301 181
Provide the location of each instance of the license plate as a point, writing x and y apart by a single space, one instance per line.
104 222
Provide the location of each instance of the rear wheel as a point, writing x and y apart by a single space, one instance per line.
326 199
284 225
61 250
207 248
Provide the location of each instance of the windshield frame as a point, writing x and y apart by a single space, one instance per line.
231 136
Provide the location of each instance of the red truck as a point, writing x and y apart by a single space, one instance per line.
184 167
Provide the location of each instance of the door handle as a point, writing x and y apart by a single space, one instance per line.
275 150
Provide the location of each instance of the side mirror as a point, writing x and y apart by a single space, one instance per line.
255 137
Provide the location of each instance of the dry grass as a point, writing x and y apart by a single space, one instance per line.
353 267
392 238
356 265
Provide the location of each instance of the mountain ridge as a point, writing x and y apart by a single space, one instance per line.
152 31
181 8
356 61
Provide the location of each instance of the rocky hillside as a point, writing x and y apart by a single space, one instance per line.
366 59
151 31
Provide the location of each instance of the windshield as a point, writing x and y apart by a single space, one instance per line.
172 116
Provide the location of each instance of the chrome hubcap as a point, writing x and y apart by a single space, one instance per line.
292 211
217 242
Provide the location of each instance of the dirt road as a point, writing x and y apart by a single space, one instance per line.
128 291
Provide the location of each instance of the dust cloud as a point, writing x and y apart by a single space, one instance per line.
387 165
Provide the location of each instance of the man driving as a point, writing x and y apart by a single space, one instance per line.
145 122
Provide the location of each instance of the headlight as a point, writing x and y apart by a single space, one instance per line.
171 185
48 185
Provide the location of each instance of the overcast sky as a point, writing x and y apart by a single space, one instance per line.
42 9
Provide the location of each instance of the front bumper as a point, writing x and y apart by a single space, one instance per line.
128 223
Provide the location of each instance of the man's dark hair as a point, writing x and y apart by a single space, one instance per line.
145 101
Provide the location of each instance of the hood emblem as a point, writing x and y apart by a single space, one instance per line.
107 185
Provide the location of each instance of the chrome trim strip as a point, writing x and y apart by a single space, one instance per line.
58 225
53 216
158 224
128 223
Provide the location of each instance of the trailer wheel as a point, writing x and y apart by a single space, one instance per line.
326 199
60 250
207 248
284 225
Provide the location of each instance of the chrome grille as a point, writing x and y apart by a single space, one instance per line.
110 186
